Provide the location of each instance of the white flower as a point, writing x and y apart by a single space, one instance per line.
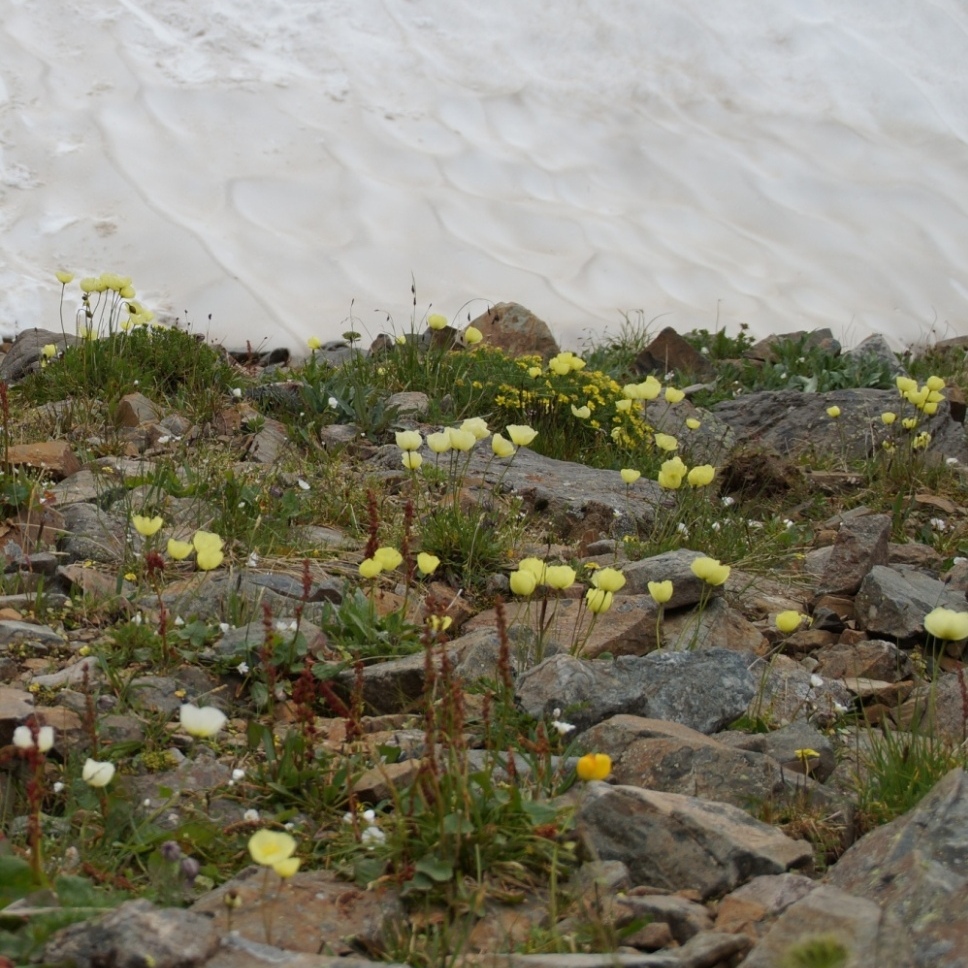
951 461
683 528
252 561
715 525
939 524
303 485
238 774
165 439
201 721
179 621
563 728
333 402
224 627
242 668
97 773
58 787
237 393
23 738
137 619
372 836
816 681
369 816
251 816
787 523
728 501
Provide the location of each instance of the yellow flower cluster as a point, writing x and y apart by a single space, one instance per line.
925 398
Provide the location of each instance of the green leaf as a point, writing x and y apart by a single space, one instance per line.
16 880
77 892
438 870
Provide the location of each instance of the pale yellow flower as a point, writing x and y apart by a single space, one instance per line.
436 321
674 394
201 721
146 526
370 568
629 475
388 558
692 423
462 440
64 277
887 418
523 582
599 600
411 460
536 566
427 563
501 446
701 475
286 868
48 351
666 442
789 621
314 343
409 439
947 624
472 335
559 577
710 570
179 550
661 591
608 579
271 847
439 442
582 413
935 383
905 384
624 405
521 435
477 426
209 558
833 412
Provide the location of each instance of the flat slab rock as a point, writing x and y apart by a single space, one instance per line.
678 842
705 690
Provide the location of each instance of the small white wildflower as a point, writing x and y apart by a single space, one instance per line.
683 528
816 681
783 376
728 502
58 787
704 350
165 439
179 621
839 707
237 393
939 524
137 619
242 668
241 504
251 816
372 836
951 461
671 375
252 561
563 728
348 816
801 359
146 804
238 774
369 816
333 402
755 525
224 627
303 485
787 523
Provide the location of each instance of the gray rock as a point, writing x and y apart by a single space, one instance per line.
876 349
92 534
24 355
671 566
27 633
704 690
874 659
893 603
704 950
675 759
781 746
786 693
916 870
834 919
133 935
861 544
717 626
678 842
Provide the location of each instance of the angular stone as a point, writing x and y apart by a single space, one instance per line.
15 706
786 692
835 919
874 659
675 759
136 409
674 566
25 353
781 746
409 403
705 690
678 842
53 457
916 870
893 603
718 626
92 534
750 907
861 543
133 935
311 911
517 331
685 918
670 351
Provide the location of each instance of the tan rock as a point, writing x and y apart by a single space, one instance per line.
52 456
517 331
